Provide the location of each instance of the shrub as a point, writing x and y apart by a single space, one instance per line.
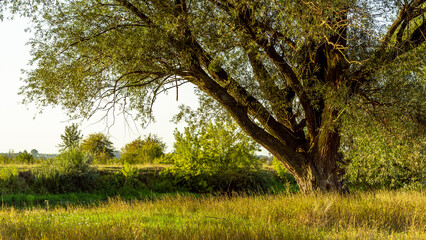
8 172
5 159
24 157
166 159
69 172
129 172
10 182
214 157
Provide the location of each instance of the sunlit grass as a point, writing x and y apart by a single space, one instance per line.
379 215
20 167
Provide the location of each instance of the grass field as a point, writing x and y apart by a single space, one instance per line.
106 167
373 215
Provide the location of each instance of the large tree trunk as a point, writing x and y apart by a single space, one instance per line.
320 171
320 174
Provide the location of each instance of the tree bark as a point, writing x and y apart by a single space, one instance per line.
320 171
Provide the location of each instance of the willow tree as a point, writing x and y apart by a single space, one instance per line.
282 69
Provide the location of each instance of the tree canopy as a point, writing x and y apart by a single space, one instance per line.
284 70
99 146
146 150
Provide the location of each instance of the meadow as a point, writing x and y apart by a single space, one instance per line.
360 215
70 198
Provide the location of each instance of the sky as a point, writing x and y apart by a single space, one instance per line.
22 127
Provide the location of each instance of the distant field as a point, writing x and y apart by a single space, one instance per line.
20 167
116 167
372 215
106 167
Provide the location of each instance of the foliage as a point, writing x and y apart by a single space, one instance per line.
99 146
8 172
279 168
370 215
129 172
215 147
24 157
379 158
71 171
203 154
140 151
166 159
384 133
71 138
10 180
284 70
282 173
4 159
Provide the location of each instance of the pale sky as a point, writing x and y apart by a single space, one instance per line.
20 131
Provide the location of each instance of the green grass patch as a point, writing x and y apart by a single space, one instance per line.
25 201
373 215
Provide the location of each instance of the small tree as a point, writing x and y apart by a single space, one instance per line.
99 146
71 138
143 151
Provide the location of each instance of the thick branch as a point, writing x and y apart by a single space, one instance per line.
240 114
239 94
406 14
228 7
254 107
416 38
293 82
136 11
280 99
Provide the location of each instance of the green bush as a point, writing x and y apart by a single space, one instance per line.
166 159
8 176
24 157
214 157
69 172
380 164
129 172
5 159
8 172
10 182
